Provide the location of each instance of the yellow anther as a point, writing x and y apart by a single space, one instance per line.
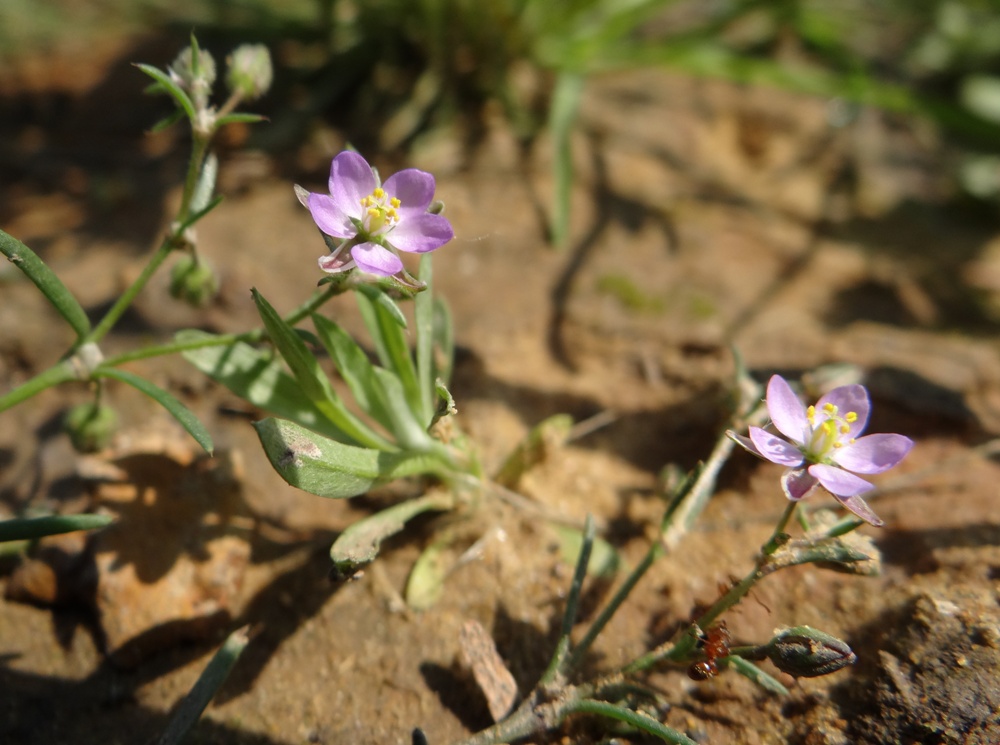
395 202
811 414
852 416
830 409
379 193
844 429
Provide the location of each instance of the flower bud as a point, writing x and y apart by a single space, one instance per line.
250 71
805 652
184 73
90 426
193 281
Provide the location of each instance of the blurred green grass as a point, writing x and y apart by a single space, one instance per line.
395 69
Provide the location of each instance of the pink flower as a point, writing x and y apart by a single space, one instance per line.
822 445
375 220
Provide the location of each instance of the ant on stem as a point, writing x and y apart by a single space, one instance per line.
715 645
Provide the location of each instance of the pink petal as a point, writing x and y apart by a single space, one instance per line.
351 179
848 398
787 412
839 482
413 188
330 218
375 259
335 262
775 449
860 508
796 483
421 233
873 453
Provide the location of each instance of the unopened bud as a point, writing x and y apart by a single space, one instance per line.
193 281
436 207
805 652
90 426
250 71
192 74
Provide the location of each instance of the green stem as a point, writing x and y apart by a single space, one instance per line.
199 149
655 550
58 373
255 335
683 647
621 714
122 303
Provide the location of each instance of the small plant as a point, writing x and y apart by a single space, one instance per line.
705 645
395 418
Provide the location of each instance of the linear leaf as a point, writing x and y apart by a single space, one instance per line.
46 280
562 115
179 411
258 377
390 340
313 380
354 367
172 89
423 311
28 528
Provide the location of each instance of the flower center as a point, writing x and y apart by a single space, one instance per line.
380 211
829 430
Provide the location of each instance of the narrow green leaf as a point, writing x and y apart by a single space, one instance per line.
327 468
390 340
172 89
409 432
167 121
313 380
749 670
603 561
377 295
198 214
423 312
205 688
258 377
29 528
176 409
240 117
444 341
359 544
562 115
46 280
354 367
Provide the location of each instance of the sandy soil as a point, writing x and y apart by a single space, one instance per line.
705 217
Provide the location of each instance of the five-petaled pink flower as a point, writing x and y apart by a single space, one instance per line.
823 446
375 220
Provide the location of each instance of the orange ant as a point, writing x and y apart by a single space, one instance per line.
715 644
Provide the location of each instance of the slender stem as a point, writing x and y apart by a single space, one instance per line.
254 335
125 300
58 373
682 648
199 149
633 718
655 550
555 668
